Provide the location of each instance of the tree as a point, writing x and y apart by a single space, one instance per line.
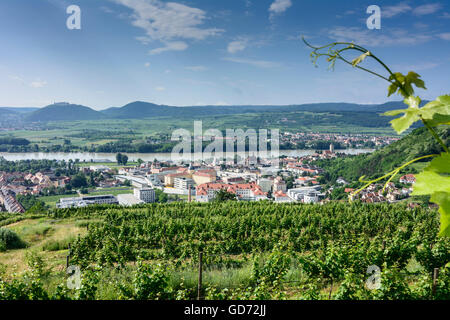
79 181
122 159
223 195
161 196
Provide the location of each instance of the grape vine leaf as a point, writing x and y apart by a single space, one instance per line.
435 181
443 200
401 124
435 177
439 119
436 112
439 106
406 82
413 78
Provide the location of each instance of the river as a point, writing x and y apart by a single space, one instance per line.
111 157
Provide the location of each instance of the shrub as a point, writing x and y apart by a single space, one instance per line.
10 240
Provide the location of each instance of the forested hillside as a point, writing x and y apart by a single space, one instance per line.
418 143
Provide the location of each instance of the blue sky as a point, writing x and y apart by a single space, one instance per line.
215 52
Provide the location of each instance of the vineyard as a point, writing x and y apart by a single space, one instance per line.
249 251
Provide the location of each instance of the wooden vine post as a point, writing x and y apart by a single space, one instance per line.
435 279
200 274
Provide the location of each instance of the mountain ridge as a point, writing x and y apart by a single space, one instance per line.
141 109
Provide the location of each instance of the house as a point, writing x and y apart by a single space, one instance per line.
247 192
279 185
281 197
342 181
8 200
169 179
408 179
204 176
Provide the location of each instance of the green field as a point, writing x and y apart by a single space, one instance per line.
85 134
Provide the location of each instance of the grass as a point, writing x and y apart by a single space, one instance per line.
58 244
52 200
108 164
46 236
113 191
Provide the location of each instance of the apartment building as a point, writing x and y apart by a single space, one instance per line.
145 194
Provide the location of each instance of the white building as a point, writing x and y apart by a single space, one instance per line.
183 183
99 168
86 201
265 184
280 197
145 194
128 200
305 194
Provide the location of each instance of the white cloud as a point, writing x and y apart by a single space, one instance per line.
147 64
106 9
427 9
368 38
255 63
18 79
168 21
237 45
160 88
279 6
170 46
196 68
446 15
392 11
417 67
445 36
38 84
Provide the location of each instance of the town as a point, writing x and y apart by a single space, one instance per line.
297 179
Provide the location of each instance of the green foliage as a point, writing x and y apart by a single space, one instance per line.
57 245
315 246
122 159
224 195
79 181
273 270
393 286
10 240
435 179
150 282
416 144
89 284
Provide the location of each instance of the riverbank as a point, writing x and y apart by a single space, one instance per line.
132 157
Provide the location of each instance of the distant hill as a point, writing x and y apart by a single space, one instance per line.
17 110
418 143
7 111
141 109
64 112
